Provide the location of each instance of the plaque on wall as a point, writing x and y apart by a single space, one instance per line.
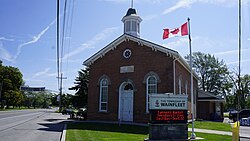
126 69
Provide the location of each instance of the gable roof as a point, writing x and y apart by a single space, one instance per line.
207 96
142 42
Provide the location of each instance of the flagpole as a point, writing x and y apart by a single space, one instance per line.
239 79
193 136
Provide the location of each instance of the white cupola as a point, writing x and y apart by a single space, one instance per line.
132 23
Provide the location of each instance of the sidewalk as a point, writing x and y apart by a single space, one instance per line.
211 131
242 135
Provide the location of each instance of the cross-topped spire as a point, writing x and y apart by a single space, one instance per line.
132 3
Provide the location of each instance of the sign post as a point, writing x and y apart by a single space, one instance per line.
168 117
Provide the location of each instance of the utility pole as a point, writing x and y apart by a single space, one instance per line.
61 92
1 86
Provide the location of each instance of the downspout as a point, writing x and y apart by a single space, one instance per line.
174 72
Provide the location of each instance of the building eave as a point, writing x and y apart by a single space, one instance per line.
124 38
141 42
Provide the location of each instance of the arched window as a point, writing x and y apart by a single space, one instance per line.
151 88
103 102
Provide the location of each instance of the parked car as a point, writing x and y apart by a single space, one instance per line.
245 113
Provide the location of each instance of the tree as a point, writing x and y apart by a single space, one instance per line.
11 80
213 74
13 98
240 90
81 88
41 99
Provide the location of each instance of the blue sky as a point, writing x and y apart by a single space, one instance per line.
28 32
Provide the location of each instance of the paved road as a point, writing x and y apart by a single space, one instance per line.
245 131
31 125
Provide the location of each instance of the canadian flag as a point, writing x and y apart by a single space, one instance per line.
181 31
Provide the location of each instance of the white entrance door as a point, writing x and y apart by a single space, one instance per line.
126 105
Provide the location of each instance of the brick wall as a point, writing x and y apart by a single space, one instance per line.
144 59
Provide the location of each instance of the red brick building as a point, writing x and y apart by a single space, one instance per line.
123 73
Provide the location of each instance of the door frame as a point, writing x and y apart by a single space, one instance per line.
121 90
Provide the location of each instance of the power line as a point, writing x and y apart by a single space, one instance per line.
63 33
69 27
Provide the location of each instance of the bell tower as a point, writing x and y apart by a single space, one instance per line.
132 23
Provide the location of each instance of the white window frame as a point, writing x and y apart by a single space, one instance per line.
147 90
101 101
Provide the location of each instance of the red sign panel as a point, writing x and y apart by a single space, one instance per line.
168 116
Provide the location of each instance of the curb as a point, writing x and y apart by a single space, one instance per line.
63 135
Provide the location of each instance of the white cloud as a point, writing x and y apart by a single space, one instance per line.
118 1
236 62
90 44
189 3
150 17
135 1
178 43
178 5
6 39
232 52
44 73
34 40
41 73
4 54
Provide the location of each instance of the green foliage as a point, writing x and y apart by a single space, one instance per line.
81 88
10 82
12 97
230 102
37 99
11 77
213 74
66 100
247 106
240 90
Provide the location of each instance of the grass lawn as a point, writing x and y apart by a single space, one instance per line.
211 125
114 132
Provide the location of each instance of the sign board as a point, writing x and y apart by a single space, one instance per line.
168 116
168 102
36 89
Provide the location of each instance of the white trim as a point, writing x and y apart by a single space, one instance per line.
100 96
147 94
142 42
120 93
124 38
